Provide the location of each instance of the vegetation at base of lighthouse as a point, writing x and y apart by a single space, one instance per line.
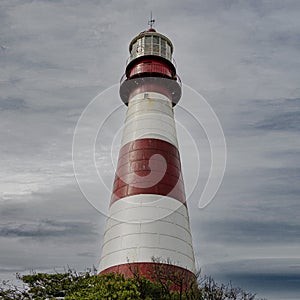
90 286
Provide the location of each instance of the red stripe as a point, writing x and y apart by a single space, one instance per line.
151 66
134 175
153 271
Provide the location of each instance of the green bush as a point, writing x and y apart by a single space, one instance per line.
90 286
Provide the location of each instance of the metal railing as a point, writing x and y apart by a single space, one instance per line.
176 78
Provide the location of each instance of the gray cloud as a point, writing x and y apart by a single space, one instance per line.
249 232
274 278
285 121
277 114
48 229
12 104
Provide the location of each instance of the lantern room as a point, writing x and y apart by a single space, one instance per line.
151 43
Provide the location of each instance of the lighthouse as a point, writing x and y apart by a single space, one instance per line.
148 224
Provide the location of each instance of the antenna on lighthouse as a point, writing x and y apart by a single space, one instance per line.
151 21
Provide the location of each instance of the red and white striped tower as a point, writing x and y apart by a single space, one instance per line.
148 215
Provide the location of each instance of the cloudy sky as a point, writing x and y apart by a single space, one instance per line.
243 57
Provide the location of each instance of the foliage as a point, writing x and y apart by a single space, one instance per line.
89 285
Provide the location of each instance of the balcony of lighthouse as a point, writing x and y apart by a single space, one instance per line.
142 82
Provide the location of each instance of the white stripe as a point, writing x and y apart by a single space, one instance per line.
167 237
150 115
145 208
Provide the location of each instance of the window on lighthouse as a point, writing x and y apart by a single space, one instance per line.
137 49
155 39
140 45
148 44
163 48
155 45
168 52
134 49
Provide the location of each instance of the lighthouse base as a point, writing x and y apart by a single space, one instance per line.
177 277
